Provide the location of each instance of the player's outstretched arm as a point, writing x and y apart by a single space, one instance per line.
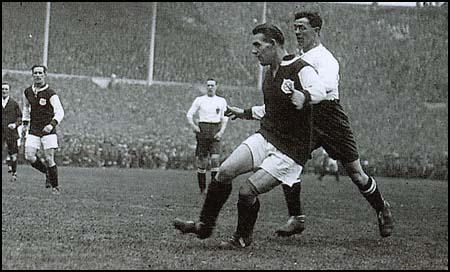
235 112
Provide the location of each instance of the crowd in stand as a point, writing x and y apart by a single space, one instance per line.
152 152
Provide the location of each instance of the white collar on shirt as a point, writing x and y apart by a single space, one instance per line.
36 90
289 59
5 101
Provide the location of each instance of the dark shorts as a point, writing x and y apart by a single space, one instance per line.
206 144
333 132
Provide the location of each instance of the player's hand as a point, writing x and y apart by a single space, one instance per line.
218 136
234 112
12 126
196 129
298 99
48 128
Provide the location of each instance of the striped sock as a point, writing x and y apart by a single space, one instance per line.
372 194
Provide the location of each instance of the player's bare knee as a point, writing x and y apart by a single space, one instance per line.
50 160
225 174
14 157
356 173
202 163
359 178
247 193
31 157
215 161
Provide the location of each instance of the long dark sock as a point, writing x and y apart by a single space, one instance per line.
372 194
53 176
247 216
39 166
14 166
201 177
216 197
292 197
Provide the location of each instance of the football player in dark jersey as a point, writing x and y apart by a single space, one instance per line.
42 113
278 152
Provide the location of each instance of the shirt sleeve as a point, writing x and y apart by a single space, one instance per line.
312 84
193 109
258 112
224 109
26 109
57 107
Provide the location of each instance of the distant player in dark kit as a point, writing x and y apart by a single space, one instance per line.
42 112
209 130
11 119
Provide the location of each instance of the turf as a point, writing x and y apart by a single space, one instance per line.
122 219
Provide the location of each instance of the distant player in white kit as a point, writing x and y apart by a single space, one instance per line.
209 129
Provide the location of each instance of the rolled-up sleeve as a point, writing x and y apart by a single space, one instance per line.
57 107
312 84
25 109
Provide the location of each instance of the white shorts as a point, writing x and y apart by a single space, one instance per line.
269 158
47 141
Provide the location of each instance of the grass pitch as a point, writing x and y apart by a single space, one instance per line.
122 219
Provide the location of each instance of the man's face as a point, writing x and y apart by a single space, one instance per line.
304 32
211 87
5 90
262 49
39 76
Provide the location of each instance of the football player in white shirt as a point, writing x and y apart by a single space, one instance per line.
331 129
209 129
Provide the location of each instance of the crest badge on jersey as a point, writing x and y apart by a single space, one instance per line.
287 86
42 101
217 110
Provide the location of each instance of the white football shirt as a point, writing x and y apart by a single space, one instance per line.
326 65
209 109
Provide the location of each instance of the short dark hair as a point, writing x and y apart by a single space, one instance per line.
313 17
39 65
211 79
270 32
6 83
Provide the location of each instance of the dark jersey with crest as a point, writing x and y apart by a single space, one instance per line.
284 126
42 111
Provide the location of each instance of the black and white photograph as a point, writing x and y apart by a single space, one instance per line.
224 136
